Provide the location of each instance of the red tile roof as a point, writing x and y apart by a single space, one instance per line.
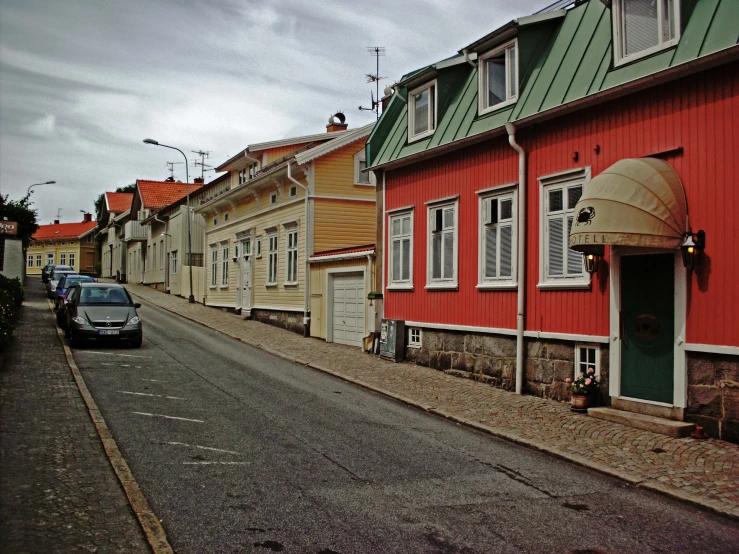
63 230
118 202
157 194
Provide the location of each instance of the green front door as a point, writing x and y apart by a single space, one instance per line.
647 327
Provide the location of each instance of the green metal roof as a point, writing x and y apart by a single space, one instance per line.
561 60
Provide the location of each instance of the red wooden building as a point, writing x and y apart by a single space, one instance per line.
608 128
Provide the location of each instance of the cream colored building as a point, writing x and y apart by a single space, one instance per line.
115 214
289 201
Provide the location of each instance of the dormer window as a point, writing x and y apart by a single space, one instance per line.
498 77
242 176
642 27
422 111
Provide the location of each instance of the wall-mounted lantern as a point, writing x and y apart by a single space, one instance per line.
691 248
592 258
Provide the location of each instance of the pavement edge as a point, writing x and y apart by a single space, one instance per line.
155 535
647 484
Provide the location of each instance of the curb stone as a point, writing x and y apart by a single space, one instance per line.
155 535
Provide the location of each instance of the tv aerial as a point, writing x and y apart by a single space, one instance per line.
377 52
203 155
171 168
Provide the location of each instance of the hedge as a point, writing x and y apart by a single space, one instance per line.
11 298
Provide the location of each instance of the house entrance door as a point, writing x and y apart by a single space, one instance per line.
647 327
245 285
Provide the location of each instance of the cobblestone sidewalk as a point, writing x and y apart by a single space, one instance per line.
705 472
58 491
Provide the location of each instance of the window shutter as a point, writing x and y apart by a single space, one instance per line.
490 252
506 250
556 247
449 255
574 259
436 256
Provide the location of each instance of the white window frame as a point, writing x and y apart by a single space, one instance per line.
224 265
38 260
215 221
71 257
293 193
50 257
619 56
360 157
273 198
400 284
291 255
253 169
414 337
173 262
564 180
213 266
161 254
29 261
511 98
258 247
442 283
62 258
225 217
246 246
412 111
582 368
509 192
272 240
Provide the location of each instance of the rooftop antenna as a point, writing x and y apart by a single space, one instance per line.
203 155
375 51
171 168
59 214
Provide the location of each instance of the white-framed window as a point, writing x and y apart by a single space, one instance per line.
71 259
161 254
224 264
587 356
498 77
361 177
291 269
497 240
422 111
154 255
213 266
29 261
293 191
38 260
400 270
225 217
215 221
258 247
49 257
253 168
246 246
642 27
560 266
273 198
414 337
242 176
441 260
272 259
63 258
173 260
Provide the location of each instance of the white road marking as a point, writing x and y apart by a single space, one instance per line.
155 380
147 394
215 463
117 354
204 447
170 417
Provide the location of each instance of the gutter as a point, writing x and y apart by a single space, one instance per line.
521 257
306 301
335 257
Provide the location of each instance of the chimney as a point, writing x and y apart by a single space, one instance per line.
86 218
199 180
56 222
337 122
386 99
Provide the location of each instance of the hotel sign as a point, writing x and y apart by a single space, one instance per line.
8 228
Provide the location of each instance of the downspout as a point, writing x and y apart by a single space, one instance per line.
511 129
306 301
467 58
156 218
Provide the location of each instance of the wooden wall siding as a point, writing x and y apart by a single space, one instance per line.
276 153
698 114
342 224
334 174
219 295
318 292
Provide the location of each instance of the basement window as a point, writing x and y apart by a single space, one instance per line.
414 337
587 357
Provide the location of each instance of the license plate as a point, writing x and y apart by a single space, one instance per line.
108 331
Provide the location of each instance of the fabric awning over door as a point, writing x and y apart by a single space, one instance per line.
635 202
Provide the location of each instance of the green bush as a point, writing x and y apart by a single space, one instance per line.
11 299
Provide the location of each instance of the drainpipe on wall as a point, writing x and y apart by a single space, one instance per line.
306 302
156 218
511 129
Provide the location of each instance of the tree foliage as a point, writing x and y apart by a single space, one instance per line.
20 212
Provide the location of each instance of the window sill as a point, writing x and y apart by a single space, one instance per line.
271 286
581 285
496 286
442 286
421 136
414 346
654 50
400 287
493 109
290 284
369 185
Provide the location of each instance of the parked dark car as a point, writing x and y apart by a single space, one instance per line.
45 272
102 311
56 273
65 282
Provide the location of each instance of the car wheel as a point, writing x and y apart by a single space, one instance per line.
59 319
74 342
136 343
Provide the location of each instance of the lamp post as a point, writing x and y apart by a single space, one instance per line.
191 298
28 192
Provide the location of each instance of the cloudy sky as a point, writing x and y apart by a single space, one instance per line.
82 82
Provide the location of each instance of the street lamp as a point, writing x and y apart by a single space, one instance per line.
28 192
191 298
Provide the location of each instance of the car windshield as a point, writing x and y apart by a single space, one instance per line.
103 295
72 281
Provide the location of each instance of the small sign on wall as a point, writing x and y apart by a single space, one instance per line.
8 228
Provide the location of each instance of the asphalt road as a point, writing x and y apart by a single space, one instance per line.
240 451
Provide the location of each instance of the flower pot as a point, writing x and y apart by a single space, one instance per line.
579 403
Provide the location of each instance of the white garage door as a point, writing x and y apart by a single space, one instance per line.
348 309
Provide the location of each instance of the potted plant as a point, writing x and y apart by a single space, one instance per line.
582 388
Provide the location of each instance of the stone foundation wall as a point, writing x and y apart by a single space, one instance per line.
713 394
492 358
292 321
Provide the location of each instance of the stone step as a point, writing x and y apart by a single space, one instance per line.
675 429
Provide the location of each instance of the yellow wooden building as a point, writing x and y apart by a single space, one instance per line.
291 204
70 244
